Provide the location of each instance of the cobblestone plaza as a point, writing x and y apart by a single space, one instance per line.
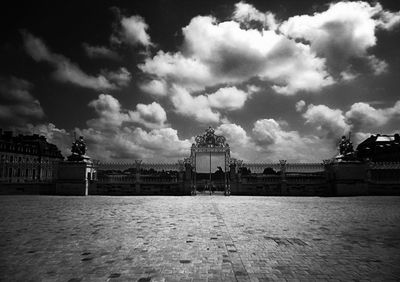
200 238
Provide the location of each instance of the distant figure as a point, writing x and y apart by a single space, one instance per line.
79 147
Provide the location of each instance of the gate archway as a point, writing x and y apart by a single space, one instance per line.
210 157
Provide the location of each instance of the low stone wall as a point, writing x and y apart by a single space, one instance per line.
27 188
142 189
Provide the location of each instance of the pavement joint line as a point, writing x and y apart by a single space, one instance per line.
220 219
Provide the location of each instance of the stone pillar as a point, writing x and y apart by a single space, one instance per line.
232 171
74 177
188 179
284 189
137 183
329 178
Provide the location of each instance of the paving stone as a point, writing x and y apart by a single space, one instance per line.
209 238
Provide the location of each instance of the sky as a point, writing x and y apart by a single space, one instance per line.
140 79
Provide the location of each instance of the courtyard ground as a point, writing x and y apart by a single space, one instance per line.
199 238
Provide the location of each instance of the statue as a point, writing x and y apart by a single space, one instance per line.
346 151
79 147
78 150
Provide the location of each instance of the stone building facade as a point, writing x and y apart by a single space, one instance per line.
31 165
27 158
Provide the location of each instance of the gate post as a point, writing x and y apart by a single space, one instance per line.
137 183
284 190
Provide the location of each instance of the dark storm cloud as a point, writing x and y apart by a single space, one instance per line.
67 71
17 104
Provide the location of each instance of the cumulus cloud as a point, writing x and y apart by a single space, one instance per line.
234 134
155 87
204 108
224 53
247 13
197 107
330 122
54 135
120 78
274 143
300 105
346 30
67 71
386 19
17 104
132 30
127 143
348 75
100 52
115 134
377 66
110 114
362 118
151 116
228 98
365 117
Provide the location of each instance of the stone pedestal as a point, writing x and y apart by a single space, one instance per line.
348 178
74 177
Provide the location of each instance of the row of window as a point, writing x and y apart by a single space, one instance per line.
27 173
19 159
15 148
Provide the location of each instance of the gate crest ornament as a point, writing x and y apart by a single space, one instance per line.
210 139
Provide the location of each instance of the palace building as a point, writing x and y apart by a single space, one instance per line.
27 158
31 165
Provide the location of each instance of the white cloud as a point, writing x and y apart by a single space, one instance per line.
348 75
386 19
300 105
17 104
67 71
128 143
330 122
275 143
100 52
197 107
120 78
363 116
378 66
224 53
361 119
54 135
114 133
109 113
204 107
234 134
133 30
246 13
228 98
155 87
344 31
151 116
185 71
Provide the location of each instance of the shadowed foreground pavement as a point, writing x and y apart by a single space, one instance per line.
201 238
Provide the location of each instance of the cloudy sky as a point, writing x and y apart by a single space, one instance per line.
139 79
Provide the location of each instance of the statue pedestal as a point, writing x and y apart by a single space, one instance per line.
74 177
348 178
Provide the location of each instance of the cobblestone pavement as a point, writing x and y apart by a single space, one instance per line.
200 238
